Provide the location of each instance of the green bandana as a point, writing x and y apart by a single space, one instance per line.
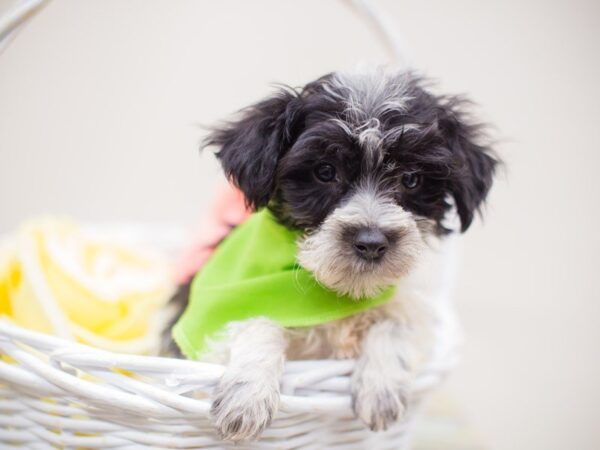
254 273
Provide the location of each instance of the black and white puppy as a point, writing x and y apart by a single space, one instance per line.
368 165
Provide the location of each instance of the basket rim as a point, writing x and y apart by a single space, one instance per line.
47 362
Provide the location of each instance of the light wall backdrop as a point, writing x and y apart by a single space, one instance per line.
100 107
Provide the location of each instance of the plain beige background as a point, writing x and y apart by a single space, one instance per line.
99 106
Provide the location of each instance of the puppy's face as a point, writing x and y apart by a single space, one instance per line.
367 165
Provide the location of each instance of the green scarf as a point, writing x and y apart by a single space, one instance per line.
254 273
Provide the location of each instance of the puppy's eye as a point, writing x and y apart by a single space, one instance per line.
411 180
325 172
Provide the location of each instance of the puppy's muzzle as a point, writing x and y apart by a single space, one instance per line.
370 244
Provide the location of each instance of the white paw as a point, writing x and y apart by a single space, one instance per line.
379 399
242 409
379 409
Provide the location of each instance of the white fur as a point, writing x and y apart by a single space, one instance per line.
247 396
371 92
333 261
382 377
371 95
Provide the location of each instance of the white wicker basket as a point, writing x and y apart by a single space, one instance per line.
56 393
60 394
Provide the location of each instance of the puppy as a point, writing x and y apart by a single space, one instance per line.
369 166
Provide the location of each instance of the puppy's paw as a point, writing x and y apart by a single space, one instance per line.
379 409
379 398
242 409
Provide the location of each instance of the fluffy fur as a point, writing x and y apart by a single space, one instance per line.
348 152
247 395
327 255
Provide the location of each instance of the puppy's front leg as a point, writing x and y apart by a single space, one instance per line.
247 396
381 379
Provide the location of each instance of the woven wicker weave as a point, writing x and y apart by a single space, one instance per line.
56 393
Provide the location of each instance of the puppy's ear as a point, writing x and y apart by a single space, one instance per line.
250 146
474 162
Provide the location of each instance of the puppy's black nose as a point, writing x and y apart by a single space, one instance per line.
370 243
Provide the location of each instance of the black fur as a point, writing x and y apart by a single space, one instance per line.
272 150
177 304
250 147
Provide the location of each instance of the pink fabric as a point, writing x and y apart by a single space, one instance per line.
228 211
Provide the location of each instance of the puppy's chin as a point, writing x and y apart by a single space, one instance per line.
329 255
